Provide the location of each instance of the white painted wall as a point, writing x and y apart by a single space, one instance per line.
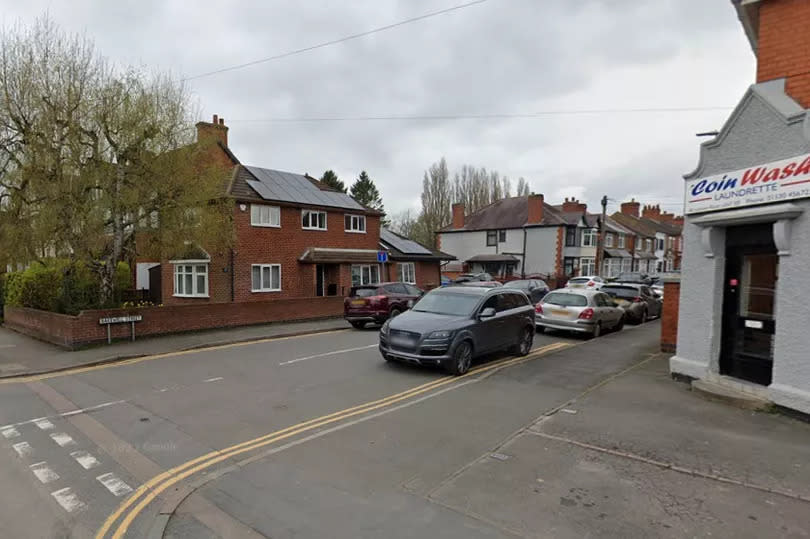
541 250
142 274
541 246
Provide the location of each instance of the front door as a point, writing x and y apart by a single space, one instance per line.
320 280
749 315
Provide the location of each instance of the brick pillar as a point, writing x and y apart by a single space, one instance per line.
669 316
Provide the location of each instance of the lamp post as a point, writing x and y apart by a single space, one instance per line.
600 244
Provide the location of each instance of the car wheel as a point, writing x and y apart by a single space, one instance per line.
597 330
540 329
644 316
524 345
395 312
462 359
358 325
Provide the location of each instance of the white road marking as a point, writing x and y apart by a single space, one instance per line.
336 352
43 424
43 472
10 432
114 485
86 460
69 501
65 414
217 379
62 439
23 449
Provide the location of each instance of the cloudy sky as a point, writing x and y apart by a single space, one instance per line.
500 56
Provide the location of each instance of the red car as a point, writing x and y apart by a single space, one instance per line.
378 302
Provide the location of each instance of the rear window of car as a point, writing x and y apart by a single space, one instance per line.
579 280
363 292
620 291
522 285
566 300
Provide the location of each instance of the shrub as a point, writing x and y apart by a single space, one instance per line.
37 287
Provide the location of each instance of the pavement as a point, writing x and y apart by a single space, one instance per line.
21 355
317 436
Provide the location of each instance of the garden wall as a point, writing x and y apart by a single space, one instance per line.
84 329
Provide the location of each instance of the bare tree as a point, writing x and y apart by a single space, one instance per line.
437 197
522 187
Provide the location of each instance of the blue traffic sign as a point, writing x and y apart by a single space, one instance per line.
382 256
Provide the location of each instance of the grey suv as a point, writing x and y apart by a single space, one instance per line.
448 327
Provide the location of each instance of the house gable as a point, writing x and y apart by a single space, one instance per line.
767 125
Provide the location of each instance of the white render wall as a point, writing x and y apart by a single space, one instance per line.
541 250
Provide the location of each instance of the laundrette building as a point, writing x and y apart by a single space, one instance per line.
744 316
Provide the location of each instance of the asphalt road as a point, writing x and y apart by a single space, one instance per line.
311 436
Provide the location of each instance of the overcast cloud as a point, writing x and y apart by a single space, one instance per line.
502 56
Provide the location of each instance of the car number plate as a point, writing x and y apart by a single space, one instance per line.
402 341
559 312
359 302
576 286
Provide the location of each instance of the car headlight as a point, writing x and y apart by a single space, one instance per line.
440 335
384 328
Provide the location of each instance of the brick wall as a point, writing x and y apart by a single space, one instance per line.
669 316
784 46
83 329
427 274
284 245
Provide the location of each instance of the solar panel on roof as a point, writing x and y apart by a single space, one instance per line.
288 187
402 245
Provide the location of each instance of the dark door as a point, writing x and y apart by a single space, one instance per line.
320 280
752 269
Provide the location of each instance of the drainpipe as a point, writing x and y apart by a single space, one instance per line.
523 262
233 292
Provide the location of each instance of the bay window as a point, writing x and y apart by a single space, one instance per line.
589 237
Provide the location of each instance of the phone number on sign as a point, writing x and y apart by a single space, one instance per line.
785 195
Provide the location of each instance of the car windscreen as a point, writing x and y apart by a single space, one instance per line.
447 303
624 292
566 300
364 292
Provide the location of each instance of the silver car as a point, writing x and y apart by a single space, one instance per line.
582 311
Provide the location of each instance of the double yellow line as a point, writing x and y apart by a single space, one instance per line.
147 492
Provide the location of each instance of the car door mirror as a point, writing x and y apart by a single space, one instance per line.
489 312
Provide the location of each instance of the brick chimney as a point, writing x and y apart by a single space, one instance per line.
535 203
651 212
458 215
631 208
574 206
216 131
777 31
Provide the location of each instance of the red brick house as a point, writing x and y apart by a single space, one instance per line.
294 237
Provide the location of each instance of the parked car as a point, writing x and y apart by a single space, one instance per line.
482 284
448 327
534 288
378 302
658 289
638 300
472 277
591 282
580 310
634 277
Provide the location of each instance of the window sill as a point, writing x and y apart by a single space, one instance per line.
311 228
201 296
265 291
264 226
355 231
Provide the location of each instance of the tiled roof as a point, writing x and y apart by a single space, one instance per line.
506 213
635 224
666 228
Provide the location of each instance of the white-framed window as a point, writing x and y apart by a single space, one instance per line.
191 279
621 241
589 237
626 264
354 223
263 215
313 220
608 240
365 274
406 272
265 277
587 266
611 267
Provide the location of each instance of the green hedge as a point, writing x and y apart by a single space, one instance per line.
61 286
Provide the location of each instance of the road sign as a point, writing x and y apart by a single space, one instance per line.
382 256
